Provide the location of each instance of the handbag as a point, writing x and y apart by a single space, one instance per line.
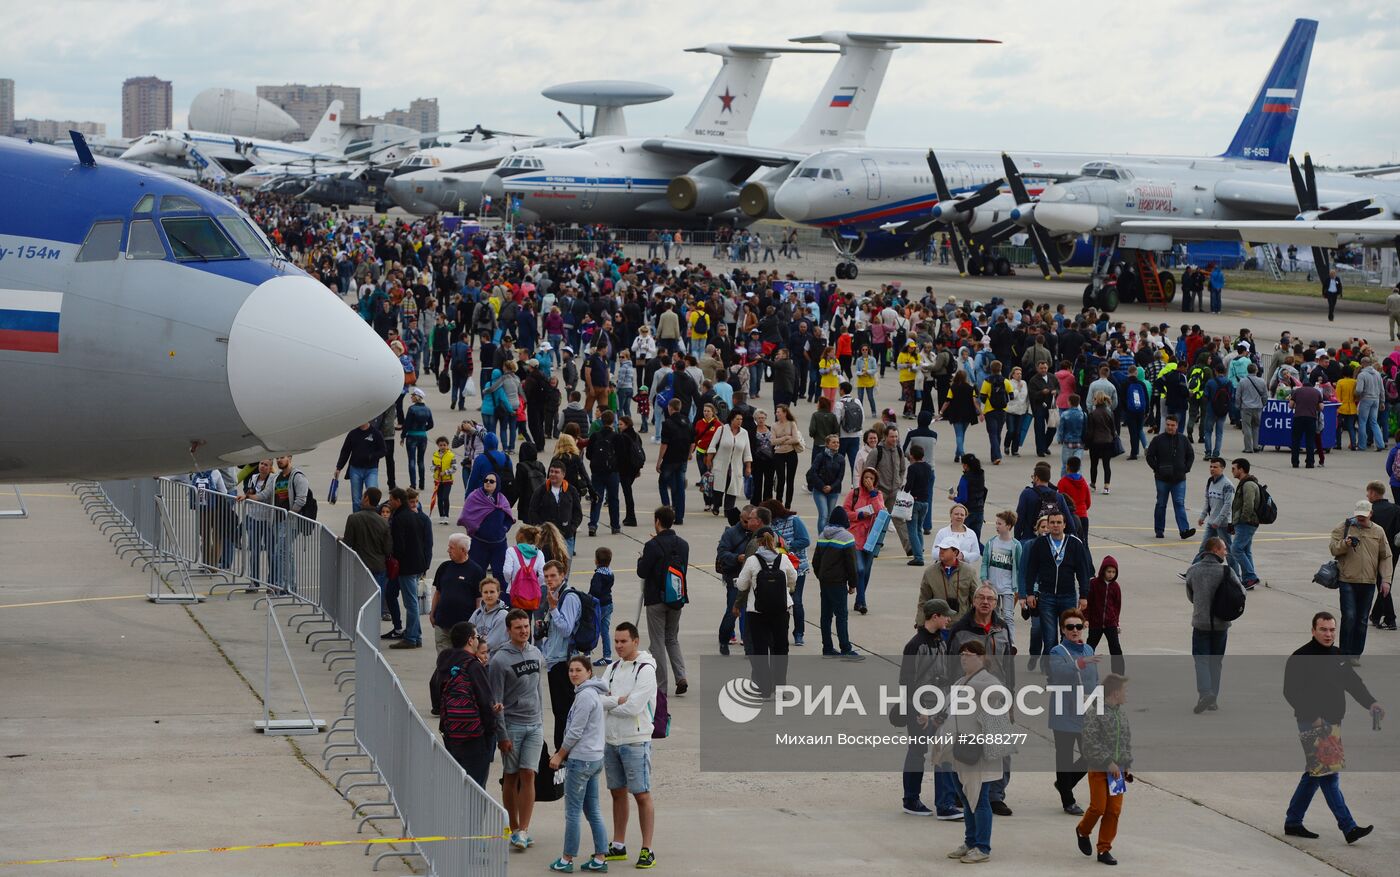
549 783
903 506
1329 575
876 538
1322 747
1117 446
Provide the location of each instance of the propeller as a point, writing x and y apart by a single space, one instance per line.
1305 189
1023 216
950 213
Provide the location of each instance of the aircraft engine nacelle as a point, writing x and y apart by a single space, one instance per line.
699 194
756 199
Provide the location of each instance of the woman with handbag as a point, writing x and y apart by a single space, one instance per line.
976 772
729 458
863 506
583 747
1101 438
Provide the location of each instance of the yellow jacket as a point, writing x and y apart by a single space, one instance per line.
831 373
908 366
443 464
1346 394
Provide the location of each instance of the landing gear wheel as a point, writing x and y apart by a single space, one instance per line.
1168 285
852 271
1088 296
974 265
1002 266
1108 299
840 270
1129 290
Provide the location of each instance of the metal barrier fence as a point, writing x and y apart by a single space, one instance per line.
179 530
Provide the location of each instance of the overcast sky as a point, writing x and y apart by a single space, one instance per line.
1070 75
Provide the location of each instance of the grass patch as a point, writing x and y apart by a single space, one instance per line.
1253 281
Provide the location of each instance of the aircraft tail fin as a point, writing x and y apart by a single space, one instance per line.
728 107
326 136
847 99
1266 132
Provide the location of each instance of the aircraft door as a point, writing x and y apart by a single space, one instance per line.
589 195
872 179
963 171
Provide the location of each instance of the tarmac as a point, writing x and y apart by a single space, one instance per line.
127 726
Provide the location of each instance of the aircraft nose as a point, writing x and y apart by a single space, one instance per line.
494 187
792 203
304 368
402 192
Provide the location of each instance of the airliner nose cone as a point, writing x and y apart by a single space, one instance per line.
494 186
792 203
304 368
402 191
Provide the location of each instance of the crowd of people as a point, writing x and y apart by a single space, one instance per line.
572 358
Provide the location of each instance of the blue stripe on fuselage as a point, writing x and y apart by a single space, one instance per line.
887 209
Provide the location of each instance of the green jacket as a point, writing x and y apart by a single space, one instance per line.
1245 508
1107 738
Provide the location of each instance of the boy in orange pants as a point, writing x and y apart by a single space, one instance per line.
1107 745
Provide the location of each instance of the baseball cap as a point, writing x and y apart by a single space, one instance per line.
1363 509
938 606
947 542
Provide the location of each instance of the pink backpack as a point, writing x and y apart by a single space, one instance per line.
525 590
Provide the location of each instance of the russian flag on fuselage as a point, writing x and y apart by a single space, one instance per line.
844 97
29 320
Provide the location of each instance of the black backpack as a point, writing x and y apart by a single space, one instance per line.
1266 509
702 324
852 418
1228 602
602 452
505 480
770 587
461 716
590 621
998 398
1220 402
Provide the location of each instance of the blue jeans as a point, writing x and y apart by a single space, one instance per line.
850 446
834 609
726 624
1242 551
1215 432
259 534
1050 606
581 782
417 447
977 821
996 421
508 427
1159 512
1367 411
945 783
825 503
1356 602
360 478
867 394
916 530
605 631
1208 649
606 486
1331 786
1065 454
671 483
385 606
283 573
406 588
864 560
624 402
959 432
1224 535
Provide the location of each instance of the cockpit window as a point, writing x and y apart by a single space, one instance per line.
170 203
143 241
103 243
197 237
246 237
145 205
807 173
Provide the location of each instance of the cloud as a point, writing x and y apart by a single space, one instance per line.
1084 78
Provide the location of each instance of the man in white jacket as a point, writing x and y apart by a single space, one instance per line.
630 708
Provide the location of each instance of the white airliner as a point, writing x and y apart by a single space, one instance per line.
224 154
450 177
694 177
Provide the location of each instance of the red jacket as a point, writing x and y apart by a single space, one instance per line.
1077 489
1105 597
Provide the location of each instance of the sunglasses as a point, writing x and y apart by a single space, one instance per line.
1074 627
489 481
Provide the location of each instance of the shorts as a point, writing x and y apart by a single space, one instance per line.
628 765
526 743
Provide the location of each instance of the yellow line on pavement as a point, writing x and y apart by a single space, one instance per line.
74 600
1195 543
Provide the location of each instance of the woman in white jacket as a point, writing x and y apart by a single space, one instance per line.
767 628
1017 413
975 771
730 457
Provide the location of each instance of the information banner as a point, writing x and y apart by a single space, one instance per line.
1276 425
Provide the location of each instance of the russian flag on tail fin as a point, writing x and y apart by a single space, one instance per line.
1266 132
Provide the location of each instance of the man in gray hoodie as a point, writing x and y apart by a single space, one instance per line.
1208 633
514 673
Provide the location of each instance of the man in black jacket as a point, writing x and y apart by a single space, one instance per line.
1316 681
558 502
414 555
1057 578
362 450
1386 515
471 747
664 552
1170 457
604 456
729 560
1041 389
926 663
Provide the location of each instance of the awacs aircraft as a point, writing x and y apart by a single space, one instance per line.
882 203
234 155
622 180
147 326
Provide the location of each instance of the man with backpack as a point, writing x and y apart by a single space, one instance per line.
461 698
1217 600
570 617
1196 379
663 567
558 502
1250 498
1364 557
1251 395
604 451
890 469
1218 398
851 416
631 709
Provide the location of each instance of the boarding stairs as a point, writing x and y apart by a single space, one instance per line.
1153 295
1268 261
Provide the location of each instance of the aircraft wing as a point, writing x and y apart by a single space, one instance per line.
703 151
1315 232
1258 197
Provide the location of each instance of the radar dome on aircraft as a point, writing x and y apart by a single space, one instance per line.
607 97
237 113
